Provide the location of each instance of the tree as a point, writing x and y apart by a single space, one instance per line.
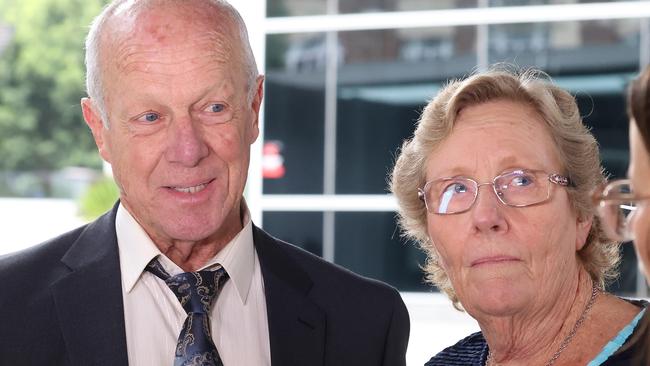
41 83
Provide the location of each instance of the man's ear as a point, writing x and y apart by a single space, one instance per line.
256 105
583 227
94 121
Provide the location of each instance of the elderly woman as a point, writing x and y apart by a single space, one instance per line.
623 204
496 187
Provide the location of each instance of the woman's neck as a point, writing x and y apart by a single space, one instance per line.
534 336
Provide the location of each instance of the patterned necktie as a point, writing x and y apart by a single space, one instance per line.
195 291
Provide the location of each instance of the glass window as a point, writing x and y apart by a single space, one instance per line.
365 6
302 229
385 78
543 2
294 114
605 114
280 8
602 46
284 8
369 243
518 2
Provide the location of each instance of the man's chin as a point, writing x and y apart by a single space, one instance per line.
200 230
189 233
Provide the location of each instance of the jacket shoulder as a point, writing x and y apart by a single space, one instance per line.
366 320
332 274
39 258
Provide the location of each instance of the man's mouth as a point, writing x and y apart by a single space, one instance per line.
192 189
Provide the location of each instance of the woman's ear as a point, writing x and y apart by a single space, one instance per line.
583 227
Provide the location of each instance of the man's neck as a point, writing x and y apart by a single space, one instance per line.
190 255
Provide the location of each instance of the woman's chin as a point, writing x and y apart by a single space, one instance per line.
497 298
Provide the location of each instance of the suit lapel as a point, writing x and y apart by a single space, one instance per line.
91 313
296 324
89 299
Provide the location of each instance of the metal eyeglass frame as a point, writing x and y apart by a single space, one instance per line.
601 198
555 178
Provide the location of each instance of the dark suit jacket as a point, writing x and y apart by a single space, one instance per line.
61 304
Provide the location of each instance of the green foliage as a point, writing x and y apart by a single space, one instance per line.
41 83
99 198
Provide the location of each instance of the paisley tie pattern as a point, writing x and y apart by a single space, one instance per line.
195 291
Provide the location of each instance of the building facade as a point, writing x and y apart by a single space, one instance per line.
346 80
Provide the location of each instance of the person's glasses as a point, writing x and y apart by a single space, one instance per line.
615 203
518 188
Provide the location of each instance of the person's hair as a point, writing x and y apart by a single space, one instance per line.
638 106
94 61
577 149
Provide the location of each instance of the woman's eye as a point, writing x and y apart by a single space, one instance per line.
216 108
456 188
522 180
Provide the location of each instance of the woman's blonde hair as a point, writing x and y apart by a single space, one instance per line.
577 149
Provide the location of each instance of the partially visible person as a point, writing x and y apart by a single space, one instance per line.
177 273
623 204
496 185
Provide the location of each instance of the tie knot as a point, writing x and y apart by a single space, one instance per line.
194 290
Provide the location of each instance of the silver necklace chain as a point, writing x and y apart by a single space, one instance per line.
569 337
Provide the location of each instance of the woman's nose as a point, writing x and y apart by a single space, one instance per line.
487 213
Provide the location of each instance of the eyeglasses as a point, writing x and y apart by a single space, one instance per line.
518 188
616 203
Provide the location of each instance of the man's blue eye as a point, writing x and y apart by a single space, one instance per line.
216 108
151 117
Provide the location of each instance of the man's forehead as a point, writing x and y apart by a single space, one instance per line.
162 18
123 7
169 30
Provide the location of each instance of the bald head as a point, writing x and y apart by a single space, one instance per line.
157 22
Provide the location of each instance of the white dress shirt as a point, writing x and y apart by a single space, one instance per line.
154 317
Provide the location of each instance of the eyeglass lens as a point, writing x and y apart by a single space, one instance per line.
616 212
518 188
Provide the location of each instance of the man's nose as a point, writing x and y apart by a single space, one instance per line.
186 142
487 213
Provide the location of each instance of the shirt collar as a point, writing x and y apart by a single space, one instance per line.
136 250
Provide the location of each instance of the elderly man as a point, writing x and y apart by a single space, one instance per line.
176 273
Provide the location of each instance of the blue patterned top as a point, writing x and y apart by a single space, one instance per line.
473 350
